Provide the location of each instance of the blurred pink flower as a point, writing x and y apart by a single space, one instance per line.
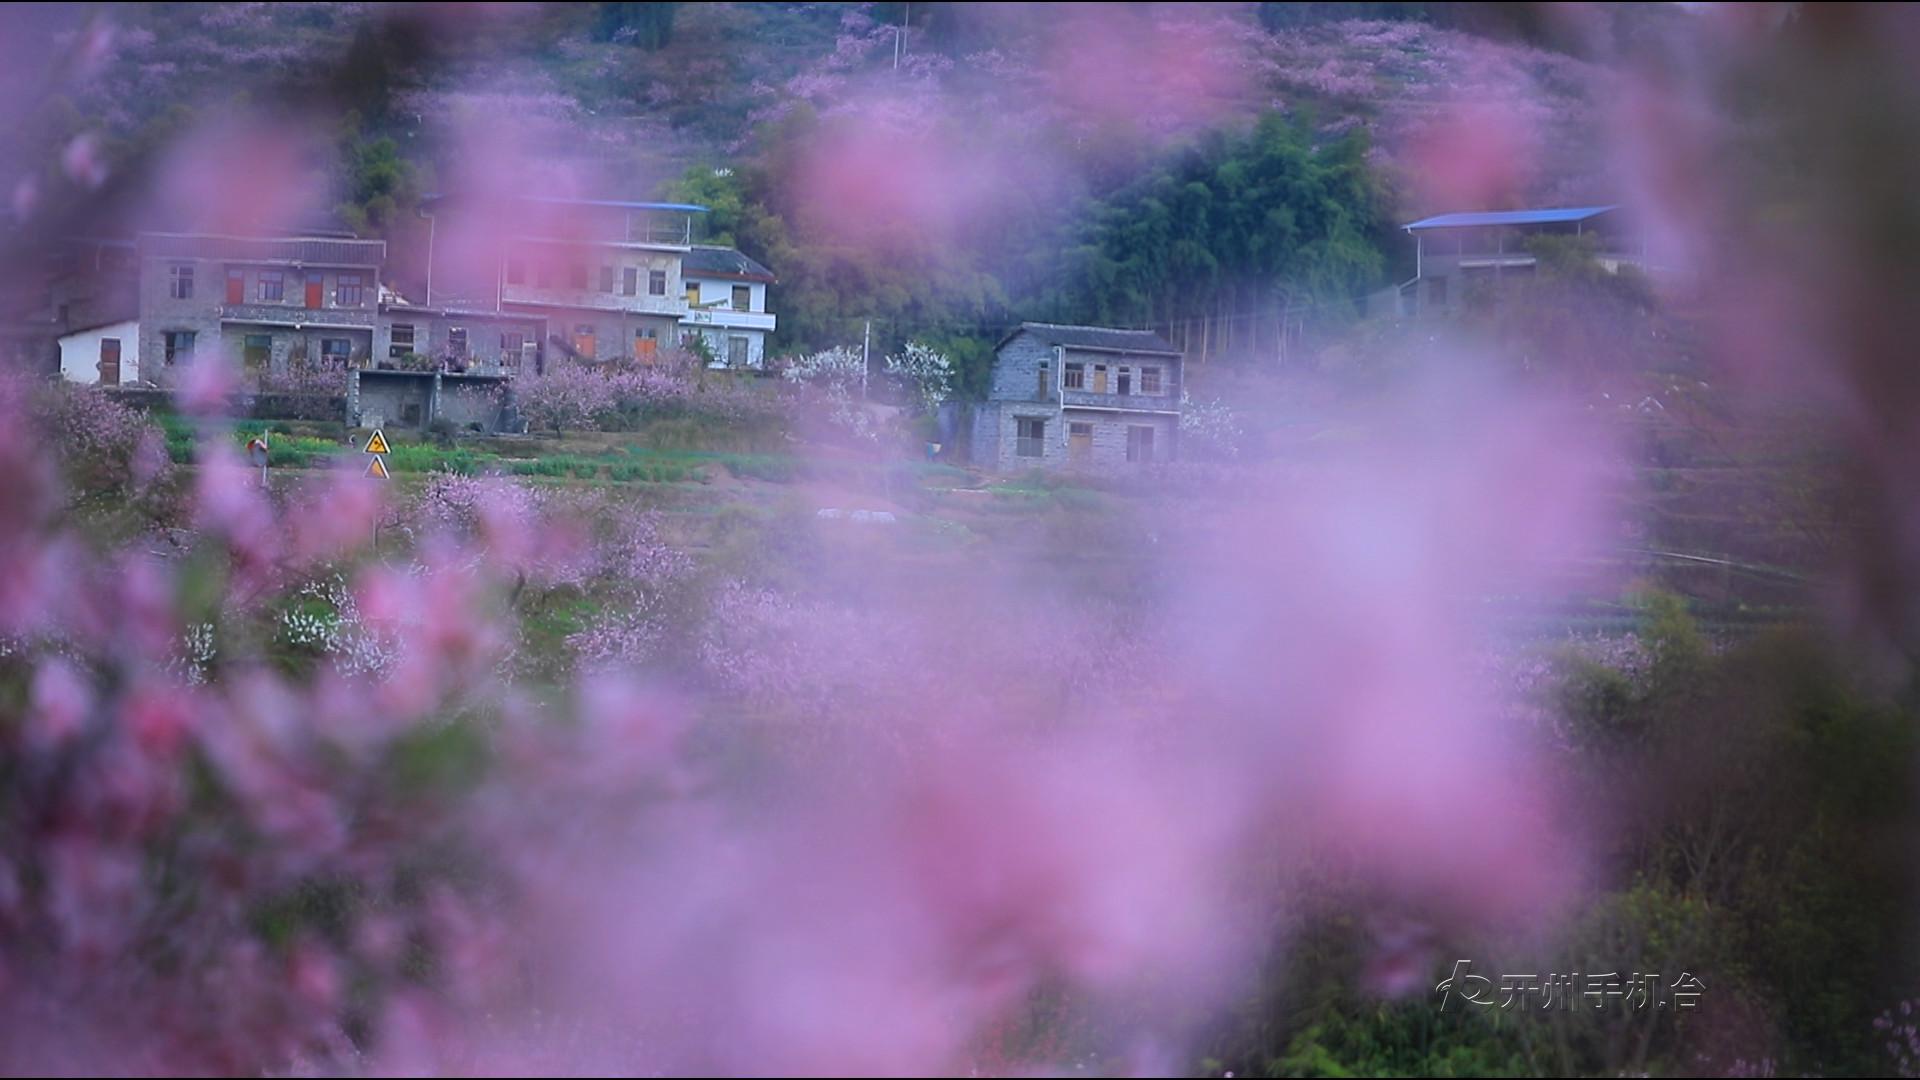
61 701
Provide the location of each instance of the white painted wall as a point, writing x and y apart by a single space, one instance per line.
80 353
720 291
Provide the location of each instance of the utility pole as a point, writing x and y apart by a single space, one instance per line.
900 36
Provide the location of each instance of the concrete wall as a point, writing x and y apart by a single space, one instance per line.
416 399
80 353
381 399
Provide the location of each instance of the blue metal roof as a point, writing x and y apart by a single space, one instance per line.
619 204
1508 217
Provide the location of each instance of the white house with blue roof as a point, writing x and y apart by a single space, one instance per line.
1455 253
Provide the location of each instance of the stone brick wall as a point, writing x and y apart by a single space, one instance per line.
1018 390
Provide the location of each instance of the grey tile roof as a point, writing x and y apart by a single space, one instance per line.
309 250
707 261
1095 337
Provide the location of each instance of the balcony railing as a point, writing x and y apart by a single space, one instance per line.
295 315
728 318
1167 401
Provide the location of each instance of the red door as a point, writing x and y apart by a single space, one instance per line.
315 289
236 286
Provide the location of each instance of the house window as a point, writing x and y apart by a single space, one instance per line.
630 281
257 351
1150 380
656 283
179 345
742 298
180 282
273 285
1076 376
606 279
236 285
335 352
1043 388
402 343
347 290
457 342
516 271
1140 444
1032 434
737 352
511 342
577 276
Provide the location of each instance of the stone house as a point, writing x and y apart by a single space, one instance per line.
263 301
1079 397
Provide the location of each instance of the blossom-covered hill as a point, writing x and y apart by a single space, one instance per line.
590 83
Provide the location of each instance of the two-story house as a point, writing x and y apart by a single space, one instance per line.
603 276
259 299
1083 397
727 305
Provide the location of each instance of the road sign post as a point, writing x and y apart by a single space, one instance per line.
377 451
257 455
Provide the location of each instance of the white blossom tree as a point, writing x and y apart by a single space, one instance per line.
1210 426
927 370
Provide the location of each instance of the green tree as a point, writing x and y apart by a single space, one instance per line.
1235 222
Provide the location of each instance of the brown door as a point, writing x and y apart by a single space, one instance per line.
110 361
1079 442
1099 378
236 286
316 291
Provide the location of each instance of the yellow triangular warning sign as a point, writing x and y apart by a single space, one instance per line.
377 444
377 467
